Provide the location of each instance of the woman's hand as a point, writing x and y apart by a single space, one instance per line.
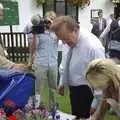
19 66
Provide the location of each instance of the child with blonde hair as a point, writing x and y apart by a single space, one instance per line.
105 75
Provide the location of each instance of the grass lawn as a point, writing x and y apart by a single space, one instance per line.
65 105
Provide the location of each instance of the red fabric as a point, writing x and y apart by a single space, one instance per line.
13 117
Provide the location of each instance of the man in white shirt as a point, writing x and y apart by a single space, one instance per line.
84 47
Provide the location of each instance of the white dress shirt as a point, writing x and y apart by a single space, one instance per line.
87 49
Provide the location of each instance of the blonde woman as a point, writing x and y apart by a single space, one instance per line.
105 74
51 15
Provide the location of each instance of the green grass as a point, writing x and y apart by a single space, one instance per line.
65 105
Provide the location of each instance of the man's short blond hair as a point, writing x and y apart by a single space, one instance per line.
68 21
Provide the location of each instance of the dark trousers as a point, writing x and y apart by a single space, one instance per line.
81 99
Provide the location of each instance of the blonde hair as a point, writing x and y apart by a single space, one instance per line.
68 21
107 68
106 73
51 15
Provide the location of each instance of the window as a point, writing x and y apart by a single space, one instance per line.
61 8
94 15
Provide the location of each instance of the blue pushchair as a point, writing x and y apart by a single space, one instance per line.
16 87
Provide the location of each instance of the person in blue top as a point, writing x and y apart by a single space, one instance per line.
44 53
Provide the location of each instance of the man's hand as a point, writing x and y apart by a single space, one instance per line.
61 90
114 105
